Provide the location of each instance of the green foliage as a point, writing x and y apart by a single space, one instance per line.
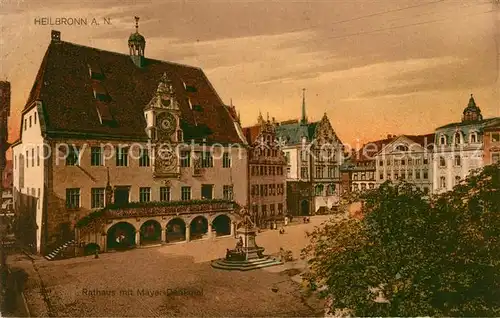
102 212
427 257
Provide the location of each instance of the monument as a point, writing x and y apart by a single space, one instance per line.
246 255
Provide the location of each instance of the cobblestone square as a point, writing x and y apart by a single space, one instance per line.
171 280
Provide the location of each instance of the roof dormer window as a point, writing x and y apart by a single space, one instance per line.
95 71
100 92
442 140
189 87
104 113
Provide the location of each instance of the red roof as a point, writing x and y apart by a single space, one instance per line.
251 133
66 89
370 149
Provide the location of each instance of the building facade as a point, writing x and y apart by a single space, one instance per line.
459 148
491 154
119 149
314 154
266 172
4 132
407 158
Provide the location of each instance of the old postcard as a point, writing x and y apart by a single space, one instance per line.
228 158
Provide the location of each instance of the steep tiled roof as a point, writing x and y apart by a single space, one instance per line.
467 123
65 87
293 132
370 149
251 133
422 140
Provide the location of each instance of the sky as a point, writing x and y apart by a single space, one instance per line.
375 67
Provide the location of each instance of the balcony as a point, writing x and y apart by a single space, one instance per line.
150 209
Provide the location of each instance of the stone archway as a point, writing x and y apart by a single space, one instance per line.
175 231
198 228
150 232
121 236
222 225
304 207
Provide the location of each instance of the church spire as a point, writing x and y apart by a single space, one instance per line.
303 119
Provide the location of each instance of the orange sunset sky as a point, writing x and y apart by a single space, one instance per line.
376 67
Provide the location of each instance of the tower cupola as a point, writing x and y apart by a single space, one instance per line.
137 45
472 112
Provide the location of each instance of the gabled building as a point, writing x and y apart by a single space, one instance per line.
359 171
120 149
491 154
406 158
266 172
459 148
314 155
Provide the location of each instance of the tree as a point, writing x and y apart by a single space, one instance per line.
418 256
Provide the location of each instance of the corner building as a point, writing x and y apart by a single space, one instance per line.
118 150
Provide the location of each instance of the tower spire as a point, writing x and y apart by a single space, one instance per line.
136 24
303 119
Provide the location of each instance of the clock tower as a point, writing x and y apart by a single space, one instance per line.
162 116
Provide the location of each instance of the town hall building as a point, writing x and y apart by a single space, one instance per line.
119 150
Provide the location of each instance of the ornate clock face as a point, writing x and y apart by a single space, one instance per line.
166 124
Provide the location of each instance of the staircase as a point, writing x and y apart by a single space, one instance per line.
52 256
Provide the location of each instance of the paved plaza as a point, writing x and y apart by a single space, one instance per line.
171 280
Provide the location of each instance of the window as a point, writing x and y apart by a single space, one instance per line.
27 156
25 124
35 118
304 173
287 157
495 137
356 187
363 186
96 156
396 175
227 192
72 198
371 186
72 158
303 155
37 156
417 174
473 137
185 159
265 190
410 174
418 162
30 121
458 138
207 191
264 210
319 189
381 176
426 190
442 162
97 198
426 161
121 195
330 189
179 135
403 176
144 158
164 193
255 209
388 162
280 208
388 177
457 180
442 140
442 182
38 196
426 175
32 157
319 172
185 193
410 161
122 157
257 190
271 209
207 160
144 194
380 163
363 176
355 176
403 162
226 160
495 157
457 160
331 172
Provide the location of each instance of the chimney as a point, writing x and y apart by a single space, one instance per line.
55 36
